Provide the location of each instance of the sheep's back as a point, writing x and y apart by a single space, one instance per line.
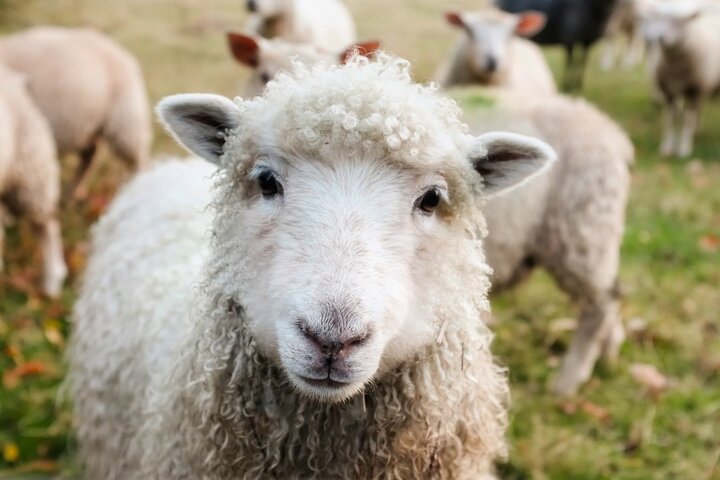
146 256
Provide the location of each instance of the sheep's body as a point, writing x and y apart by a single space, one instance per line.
569 220
184 355
572 24
88 88
687 73
29 174
325 24
526 69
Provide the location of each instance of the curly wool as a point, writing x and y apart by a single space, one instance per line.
216 407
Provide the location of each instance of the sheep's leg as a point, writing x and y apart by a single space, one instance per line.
79 185
599 330
670 116
691 117
569 67
54 268
610 53
635 50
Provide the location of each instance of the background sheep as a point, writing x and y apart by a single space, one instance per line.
29 175
489 53
88 88
624 33
688 67
324 24
269 57
251 374
571 23
568 220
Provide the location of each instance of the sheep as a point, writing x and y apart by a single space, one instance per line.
624 30
327 324
89 89
29 175
268 57
570 23
687 71
489 53
324 24
568 220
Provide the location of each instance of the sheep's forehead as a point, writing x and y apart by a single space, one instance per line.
490 17
359 110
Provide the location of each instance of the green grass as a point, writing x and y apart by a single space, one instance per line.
670 270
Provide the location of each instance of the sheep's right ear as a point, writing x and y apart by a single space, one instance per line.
244 48
455 19
363 49
530 23
506 160
199 122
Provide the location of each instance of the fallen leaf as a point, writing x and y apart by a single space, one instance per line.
709 243
599 413
649 376
51 329
11 452
11 378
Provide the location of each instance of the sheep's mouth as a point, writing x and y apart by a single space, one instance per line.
324 382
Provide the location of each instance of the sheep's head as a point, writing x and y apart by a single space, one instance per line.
489 32
664 23
267 58
343 189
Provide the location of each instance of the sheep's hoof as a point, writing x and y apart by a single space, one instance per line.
567 384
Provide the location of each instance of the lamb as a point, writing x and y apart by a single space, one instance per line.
29 175
269 57
570 23
324 24
687 71
568 220
490 53
89 89
329 325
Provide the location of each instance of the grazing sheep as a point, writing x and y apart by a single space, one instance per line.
29 175
568 220
490 54
571 23
88 88
324 24
269 57
328 324
687 71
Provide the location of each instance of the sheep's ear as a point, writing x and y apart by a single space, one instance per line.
244 48
455 19
199 122
506 160
530 23
365 49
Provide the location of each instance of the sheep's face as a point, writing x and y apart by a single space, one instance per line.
489 33
666 23
337 221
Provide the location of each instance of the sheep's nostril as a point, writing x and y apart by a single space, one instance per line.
328 346
491 64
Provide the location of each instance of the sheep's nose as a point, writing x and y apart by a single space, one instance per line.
332 347
251 6
491 64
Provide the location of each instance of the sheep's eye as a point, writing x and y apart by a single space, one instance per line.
269 186
264 77
429 201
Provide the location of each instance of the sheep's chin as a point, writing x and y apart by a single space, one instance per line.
326 393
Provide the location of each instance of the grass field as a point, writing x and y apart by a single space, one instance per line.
615 428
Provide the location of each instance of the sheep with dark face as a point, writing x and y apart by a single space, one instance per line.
331 325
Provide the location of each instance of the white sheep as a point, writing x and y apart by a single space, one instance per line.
623 34
88 88
568 220
324 24
29 175
328 324
267 58
490 53
687 71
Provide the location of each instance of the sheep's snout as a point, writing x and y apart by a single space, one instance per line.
332 348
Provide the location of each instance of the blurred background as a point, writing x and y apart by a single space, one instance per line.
655 415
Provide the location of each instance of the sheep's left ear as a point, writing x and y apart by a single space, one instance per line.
530 23
200 122
506 160
364 49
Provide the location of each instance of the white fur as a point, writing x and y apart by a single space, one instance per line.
687 70
192 353
520 64
29 174
325 24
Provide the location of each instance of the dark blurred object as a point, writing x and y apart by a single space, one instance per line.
575 24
